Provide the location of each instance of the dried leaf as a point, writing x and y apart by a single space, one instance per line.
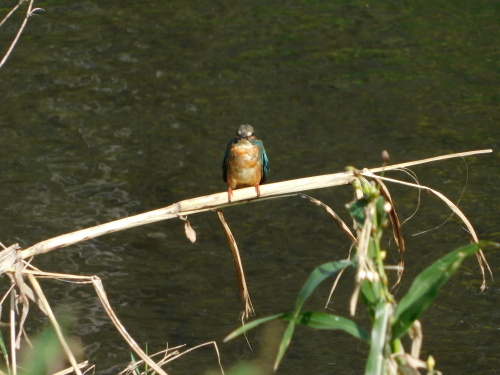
396 229
338 220
242 285
188 229
483 263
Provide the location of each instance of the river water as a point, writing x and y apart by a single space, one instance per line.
110 109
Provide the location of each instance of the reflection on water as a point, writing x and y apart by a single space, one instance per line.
111 109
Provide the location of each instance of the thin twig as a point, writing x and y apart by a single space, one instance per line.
12 11
337 278
197 347
338 220
413 176
452 213
483 263
29 13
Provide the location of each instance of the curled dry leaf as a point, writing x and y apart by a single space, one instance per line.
188 229
242 285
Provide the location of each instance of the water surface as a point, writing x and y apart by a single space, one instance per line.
111 109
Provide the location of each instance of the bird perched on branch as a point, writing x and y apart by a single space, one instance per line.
245 161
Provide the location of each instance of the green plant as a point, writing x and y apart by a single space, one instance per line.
390 320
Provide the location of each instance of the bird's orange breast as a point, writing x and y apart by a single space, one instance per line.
244 166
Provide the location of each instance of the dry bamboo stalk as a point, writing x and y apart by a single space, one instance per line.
218 200
189 207
96 281
58 276
21 299
69 370
101 293
12 315
55 324
429 160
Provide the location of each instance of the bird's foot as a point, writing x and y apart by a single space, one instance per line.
257 190
229 193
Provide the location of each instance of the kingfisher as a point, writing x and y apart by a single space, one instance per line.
245 162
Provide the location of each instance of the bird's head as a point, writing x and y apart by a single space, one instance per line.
245 131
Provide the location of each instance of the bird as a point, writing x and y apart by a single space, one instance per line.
245 161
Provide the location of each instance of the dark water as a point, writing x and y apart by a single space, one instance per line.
109 109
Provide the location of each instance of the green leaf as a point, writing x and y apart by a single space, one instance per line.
325 321
357 211
370 295
376 360
317 277
46 348
248 326
133 361
371 292
427 285
3 348
285 342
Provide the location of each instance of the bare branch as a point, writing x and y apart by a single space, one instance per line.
29 12
217 201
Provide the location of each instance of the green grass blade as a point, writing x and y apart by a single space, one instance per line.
285 342
427 285
248 326
136 370
317 277
3 348
376 360
325 321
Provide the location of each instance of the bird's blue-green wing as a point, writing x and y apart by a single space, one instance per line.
225 158
263 159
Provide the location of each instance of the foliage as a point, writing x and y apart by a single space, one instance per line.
44 357
390 320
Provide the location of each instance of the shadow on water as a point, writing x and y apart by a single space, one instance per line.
111 109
